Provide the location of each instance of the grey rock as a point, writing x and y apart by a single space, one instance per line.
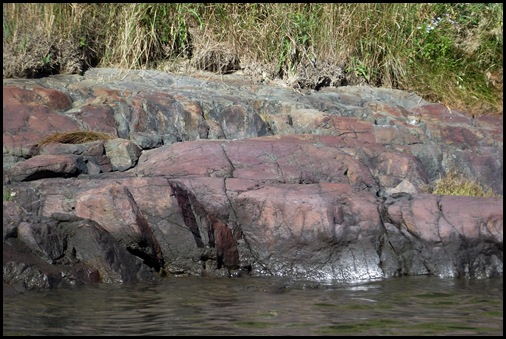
123 154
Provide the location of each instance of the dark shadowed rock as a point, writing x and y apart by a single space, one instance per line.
47 166
48 253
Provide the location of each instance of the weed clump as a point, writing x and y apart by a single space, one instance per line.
455 183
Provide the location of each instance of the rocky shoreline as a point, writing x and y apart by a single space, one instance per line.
219 176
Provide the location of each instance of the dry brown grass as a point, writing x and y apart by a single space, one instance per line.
42 39
77 137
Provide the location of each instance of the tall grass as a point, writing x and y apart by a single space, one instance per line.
446 52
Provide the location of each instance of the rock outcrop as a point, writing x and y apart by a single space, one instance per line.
219 176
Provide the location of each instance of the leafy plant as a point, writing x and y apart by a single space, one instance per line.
296 40
46 59
83 42
360 69
8 194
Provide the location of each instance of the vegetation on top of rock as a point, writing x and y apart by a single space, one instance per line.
445 52
76 137
455 183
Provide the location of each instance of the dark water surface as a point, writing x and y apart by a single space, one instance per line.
268 306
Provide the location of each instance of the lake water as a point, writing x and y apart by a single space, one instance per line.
262 306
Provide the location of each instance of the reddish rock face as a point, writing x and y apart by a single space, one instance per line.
25 125
29 116
217 178
36 96
47 166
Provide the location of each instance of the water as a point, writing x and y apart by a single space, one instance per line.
247 306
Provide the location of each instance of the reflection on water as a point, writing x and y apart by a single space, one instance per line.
246 306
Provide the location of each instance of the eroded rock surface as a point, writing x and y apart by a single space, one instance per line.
219 176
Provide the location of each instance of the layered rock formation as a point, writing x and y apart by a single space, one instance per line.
219 176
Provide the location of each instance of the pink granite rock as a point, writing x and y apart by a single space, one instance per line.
225 178
46 166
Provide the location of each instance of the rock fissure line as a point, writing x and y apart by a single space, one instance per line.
385 239
185 204
235 228
457 232
232 167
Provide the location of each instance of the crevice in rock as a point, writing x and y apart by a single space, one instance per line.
50 174
232 167
289 120
148 260
185 204
148 248
384 241
439 216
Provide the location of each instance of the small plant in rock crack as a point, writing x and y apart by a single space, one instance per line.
8 194
455 183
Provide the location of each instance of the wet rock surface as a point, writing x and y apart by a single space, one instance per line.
219 176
